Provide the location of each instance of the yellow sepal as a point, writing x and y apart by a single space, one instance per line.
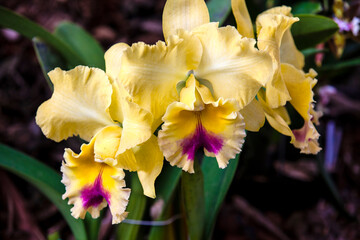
183 14
242 17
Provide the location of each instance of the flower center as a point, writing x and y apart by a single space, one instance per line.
94 194
201 138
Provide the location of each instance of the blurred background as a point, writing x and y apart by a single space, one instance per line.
277 192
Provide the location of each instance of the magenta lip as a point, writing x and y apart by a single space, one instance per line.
201 138
94 194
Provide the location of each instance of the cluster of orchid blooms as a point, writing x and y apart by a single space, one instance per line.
204 86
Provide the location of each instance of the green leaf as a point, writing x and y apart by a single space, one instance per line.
82 43
165 187
92 225
29 29
219 10
217 182
54 236
48 58
45 179
136 209
341 65
306 7
312 51
167 182
312 29
192 187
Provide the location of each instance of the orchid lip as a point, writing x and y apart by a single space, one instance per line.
94 194
201 138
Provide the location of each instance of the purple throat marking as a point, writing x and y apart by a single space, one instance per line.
201 138
93 195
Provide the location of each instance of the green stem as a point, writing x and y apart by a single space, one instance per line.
192 187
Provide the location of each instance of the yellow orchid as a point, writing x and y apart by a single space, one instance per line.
221 59
288 84
87 102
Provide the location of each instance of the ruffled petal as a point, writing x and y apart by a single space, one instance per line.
306 138
91 185
150 73
78 106
150 161
271 28
253 115
183 14
223 119
242 17
216 126
179 123
232 65
288 51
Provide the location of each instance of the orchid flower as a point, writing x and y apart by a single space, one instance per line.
219 59
87 102
288 84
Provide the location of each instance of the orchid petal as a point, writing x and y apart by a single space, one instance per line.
276 92
271 28
113 59
136 121
113 63
78 106
242 17
136 126
150 161
150 73
183 14
108 141
300 89
222 119
306 138
288 51
233 66
254 116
